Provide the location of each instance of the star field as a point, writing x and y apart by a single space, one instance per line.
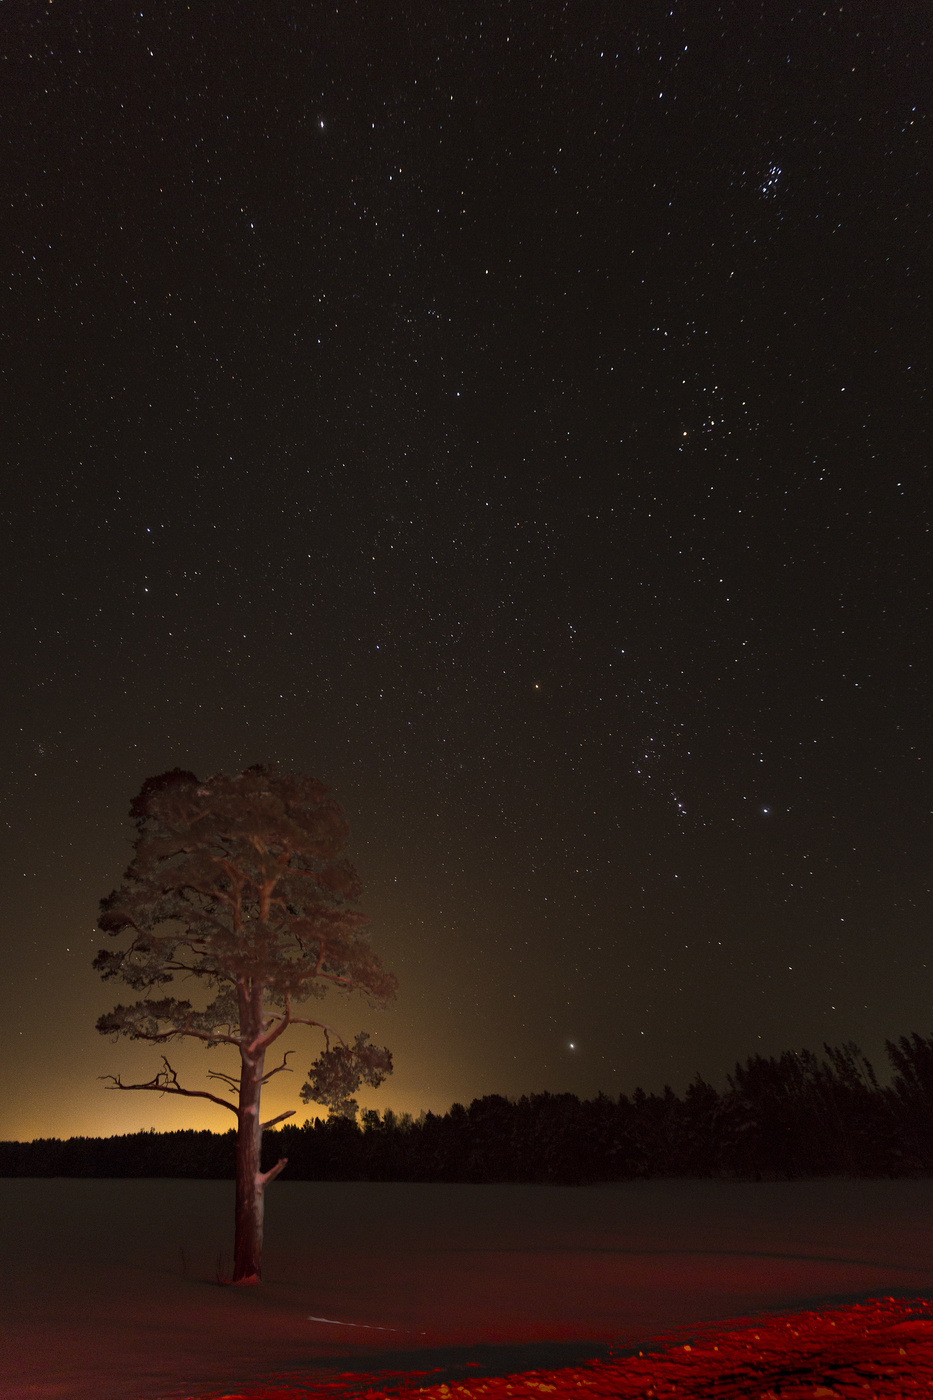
515 415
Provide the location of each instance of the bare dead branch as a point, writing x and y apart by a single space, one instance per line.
229 1078
263 1178
289 1114
166 1082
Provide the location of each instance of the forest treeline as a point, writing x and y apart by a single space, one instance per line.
778 1119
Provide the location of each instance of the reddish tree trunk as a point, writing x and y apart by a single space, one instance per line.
247 1249
251 1182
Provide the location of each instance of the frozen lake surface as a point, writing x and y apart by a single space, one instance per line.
109 1286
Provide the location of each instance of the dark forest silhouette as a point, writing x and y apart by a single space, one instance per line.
779 1119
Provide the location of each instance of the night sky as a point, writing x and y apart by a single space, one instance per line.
514 415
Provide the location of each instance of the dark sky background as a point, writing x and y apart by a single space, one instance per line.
513 414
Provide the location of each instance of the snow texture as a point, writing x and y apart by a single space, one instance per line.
109 1291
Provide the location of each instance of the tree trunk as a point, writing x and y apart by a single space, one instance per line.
247 1248
250 1180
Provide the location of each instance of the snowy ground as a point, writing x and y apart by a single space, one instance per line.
108 1287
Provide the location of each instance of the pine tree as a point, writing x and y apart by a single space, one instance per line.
241 882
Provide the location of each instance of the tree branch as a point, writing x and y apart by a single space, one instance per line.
166 1082
263 1178
321 1025
209 893
278 1069
289 1114
219 1074
262 1042
214 1037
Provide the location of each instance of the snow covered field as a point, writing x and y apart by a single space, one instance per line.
108 1287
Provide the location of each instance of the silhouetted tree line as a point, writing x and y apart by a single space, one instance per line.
793 1116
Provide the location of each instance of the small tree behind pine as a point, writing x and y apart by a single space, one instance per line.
241 882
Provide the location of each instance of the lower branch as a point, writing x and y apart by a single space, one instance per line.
289 1114
227 1078
263 1178
166 1082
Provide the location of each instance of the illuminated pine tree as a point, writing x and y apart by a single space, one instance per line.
240 882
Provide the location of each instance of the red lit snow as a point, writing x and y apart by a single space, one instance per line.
877 1349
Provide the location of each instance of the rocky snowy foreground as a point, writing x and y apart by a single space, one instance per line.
109 1289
